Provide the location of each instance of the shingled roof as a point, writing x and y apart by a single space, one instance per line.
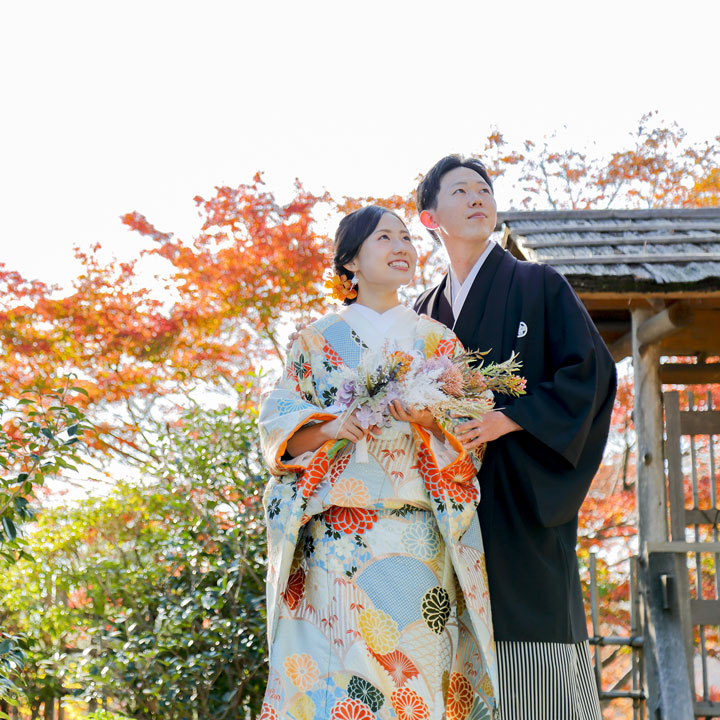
622 250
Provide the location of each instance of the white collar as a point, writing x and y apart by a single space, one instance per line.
458 292
374 327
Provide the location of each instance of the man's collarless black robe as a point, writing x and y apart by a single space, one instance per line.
534 481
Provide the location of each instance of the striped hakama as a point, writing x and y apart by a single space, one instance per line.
546 681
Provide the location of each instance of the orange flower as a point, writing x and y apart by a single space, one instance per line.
268 712
350 520
349 492
435 483
339 287
460 697
404 361
302 670
313 474
350 709
409 705
295 589
399 665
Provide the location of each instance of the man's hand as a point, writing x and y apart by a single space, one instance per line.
474 433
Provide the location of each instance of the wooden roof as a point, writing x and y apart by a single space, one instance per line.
622 250
620 259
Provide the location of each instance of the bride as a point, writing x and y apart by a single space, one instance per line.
377 597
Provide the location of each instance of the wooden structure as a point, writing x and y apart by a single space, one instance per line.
650 280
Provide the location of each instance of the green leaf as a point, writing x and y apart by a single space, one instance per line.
82 391
9 528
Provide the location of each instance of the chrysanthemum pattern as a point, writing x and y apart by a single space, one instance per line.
435 483
379 631
421 541
302 708
460 697
350 520
302 670
364 691
436 609
351 709
400 667
409 705
295 589
268 712
314 475
349 492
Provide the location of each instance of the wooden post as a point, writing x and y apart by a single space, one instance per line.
669 693
648 415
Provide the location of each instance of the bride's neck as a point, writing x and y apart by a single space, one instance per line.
377 300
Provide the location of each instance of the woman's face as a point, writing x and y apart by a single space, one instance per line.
387 257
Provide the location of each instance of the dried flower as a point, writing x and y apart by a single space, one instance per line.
452 381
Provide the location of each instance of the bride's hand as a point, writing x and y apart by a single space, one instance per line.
350 430
423 417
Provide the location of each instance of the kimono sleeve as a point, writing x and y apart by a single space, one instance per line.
291 405
580 376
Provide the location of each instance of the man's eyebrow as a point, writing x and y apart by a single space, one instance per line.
465 182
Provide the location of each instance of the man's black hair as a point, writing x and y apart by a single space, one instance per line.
427 190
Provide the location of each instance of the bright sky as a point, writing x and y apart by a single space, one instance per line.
112 107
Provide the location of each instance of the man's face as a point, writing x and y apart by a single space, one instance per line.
465 209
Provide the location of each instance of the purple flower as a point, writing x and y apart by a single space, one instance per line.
346 393
392 393
367 416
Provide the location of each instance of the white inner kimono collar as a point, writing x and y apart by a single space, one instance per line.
374 328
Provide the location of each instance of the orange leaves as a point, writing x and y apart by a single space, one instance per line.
209 320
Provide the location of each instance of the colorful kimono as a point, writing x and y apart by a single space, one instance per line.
377 593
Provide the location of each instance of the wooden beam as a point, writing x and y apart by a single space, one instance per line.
609 327
663 324
687 374
707 709
652 330
705 422
648 227
622 259
682 547
705 612
621 348
702 296
620 241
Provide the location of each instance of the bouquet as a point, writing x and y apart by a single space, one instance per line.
450 388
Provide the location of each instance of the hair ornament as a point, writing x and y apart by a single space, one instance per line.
339 287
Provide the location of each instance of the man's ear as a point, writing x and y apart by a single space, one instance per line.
428 221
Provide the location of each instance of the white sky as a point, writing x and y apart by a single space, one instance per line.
108 107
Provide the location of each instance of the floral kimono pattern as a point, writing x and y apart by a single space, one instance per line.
377 593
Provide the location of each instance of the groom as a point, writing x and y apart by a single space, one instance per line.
543 447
